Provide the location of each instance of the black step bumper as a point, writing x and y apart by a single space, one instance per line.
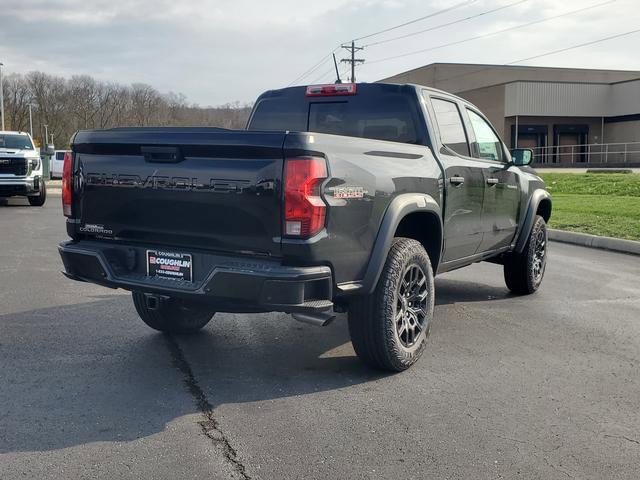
232 284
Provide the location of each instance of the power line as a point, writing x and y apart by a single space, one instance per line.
439 12
478 37
316 80
315 67
328 72
328 56
546 54
586 44
443 25
419 19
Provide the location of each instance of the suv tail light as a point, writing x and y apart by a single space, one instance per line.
304 209
67 192
331 90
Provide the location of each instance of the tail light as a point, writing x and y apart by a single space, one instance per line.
331 90
67 191
304 209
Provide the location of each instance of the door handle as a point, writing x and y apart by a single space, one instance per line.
492 181
457 180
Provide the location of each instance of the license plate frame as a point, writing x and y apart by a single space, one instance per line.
176 266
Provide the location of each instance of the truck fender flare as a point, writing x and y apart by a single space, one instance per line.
400 207
537 196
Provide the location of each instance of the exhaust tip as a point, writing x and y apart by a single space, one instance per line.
319 319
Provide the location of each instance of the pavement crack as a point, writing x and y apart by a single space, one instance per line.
209 425
622 437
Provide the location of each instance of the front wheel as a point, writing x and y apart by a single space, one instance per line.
523 272
389 328
39 200
172 315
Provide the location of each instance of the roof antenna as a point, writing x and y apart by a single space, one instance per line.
335 64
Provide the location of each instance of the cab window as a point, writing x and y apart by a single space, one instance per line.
452 131
489 146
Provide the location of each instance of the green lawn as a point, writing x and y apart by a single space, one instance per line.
600 204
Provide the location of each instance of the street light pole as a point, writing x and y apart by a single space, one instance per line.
30 121
46 136
1 96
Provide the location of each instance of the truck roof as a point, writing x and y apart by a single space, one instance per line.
410 85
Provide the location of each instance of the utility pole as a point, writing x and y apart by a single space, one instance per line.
353 60
46 136
1 96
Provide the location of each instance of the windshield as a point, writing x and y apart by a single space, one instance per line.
19 142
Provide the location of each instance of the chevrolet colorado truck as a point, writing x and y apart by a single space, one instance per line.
334 198
21 168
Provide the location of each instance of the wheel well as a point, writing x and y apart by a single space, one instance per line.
544 209
424 227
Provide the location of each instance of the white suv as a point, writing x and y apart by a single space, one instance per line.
21 168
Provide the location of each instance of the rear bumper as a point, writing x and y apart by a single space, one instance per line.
19 186
232 284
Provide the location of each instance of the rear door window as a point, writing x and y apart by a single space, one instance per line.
452 132
59 155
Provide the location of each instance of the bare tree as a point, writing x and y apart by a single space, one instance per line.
17 97
82 102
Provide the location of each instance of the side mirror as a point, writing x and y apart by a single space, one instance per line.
521 156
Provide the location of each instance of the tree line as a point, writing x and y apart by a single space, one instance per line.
82 102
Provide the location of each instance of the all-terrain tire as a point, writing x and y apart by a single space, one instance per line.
523 272
172 315
39 200
376 332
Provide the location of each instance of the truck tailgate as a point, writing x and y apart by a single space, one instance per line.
183 187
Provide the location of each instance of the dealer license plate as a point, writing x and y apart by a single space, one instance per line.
176 266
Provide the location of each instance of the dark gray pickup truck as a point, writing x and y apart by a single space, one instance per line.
335 198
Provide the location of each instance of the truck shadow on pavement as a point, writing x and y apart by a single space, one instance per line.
93 372
449 292
14 202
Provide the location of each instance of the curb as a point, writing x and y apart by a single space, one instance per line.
595 241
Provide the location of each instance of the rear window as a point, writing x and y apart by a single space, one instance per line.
277 114
19 142
59 155
388 116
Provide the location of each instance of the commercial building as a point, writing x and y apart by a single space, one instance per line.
567 115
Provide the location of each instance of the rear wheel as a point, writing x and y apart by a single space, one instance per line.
39 200
389 328
172 315
523 272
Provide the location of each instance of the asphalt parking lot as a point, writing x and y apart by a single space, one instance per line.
538 387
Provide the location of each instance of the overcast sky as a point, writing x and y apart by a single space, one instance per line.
219 51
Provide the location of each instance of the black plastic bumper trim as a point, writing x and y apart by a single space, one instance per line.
232 283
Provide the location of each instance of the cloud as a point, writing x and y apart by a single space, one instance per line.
216 51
